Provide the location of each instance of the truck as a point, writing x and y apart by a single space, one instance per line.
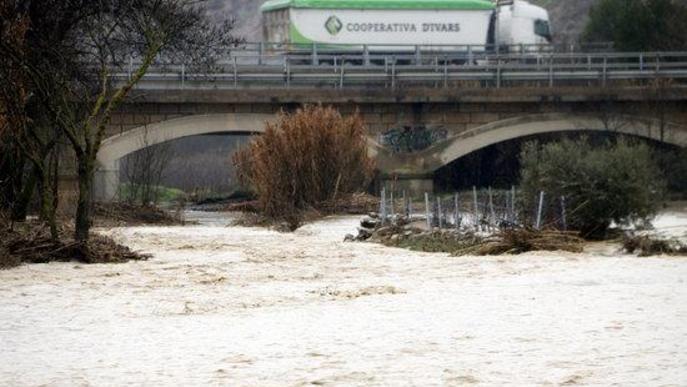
399 25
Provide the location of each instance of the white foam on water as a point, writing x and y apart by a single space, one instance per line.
240 306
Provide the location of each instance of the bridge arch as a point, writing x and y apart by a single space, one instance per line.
431 159
113 149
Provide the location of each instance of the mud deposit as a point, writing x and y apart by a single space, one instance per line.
220 305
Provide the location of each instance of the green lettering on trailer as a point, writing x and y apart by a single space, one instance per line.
477 5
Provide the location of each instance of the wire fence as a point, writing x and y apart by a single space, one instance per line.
481 210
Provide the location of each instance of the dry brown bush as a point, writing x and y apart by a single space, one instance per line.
306 158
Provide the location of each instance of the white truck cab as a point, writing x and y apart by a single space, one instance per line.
519 22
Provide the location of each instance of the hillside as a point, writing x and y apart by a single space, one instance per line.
568 17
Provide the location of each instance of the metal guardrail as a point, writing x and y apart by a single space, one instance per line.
423 67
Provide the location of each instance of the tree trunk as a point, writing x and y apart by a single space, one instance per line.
47 213
21 205
83 210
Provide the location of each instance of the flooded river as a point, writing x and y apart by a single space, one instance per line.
221 305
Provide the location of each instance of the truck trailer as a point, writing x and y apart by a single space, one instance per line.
398 25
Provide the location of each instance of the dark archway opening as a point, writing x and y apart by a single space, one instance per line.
197 168
498 165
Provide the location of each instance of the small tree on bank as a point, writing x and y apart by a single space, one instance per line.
618 182
304 159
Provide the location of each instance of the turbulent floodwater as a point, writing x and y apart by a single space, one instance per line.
236 306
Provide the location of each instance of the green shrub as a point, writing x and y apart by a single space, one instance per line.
617 182
306 158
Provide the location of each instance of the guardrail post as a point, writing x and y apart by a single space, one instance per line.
236 74
551 77
287 71
470 55
658 63
605 71
641 62
366 55
393 72
315 61
418 56
498 73
183 76
341 79
261 52
445 72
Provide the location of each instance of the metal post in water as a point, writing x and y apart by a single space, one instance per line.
410 208
439 213
512 204
456 214
429 219
391 201
492 213
540 210
474 197
382 206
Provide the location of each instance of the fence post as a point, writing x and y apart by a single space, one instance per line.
512 204
439 212
410 208
429 219
391 201
382 206
341 80
540 210
474 197
456 214
405 204
491 206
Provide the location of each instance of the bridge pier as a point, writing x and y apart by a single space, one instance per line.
106 182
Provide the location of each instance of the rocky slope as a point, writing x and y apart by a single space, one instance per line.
568 16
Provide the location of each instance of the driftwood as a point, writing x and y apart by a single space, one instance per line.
518 241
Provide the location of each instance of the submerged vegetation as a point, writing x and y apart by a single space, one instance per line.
617 182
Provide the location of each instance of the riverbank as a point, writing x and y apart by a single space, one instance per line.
240 306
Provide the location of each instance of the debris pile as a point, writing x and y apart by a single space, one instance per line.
402 232
647 246
32 243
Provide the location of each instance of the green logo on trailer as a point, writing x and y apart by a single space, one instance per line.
333 25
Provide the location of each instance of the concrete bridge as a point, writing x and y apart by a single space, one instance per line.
471 119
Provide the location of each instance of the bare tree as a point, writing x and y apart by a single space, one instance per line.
85 43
